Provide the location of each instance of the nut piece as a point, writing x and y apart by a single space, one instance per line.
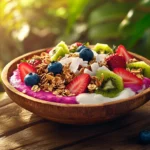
132 60
104 63
94 84
92 87
67 74
92 61
137 72
96 81
35 88
73 55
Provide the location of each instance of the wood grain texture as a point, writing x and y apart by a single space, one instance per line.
4 100
14 118
123 138
119 134
72 114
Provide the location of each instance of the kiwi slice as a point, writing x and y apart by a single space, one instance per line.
112 84
102 49
140 64
64 46
60 50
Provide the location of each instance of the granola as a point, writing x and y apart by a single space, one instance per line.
71 70
53 83
35 88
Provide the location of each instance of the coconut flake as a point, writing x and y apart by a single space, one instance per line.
101 57
94 67
88 72
75 64
95 53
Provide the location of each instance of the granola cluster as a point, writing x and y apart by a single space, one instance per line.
94 84
57 83
137 72
50 83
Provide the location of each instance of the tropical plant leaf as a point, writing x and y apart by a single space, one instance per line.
138 29
103 32
75 8
109 12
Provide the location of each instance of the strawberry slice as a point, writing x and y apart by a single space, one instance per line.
48 50
116 61
128 77
24 69
121 50
78 44
79 84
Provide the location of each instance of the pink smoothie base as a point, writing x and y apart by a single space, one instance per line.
47 96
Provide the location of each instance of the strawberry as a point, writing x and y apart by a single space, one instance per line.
48 50
116 61
121 50
79 84
128 77
78 44
24 69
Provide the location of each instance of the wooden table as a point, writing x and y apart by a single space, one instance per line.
23 130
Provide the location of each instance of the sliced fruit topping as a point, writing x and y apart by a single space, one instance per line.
78 44
140 64
59 51
31 79
86 54
121 50
116 61
111 85
48 50
128 77
24 69
79 84
102 49
63 45
55 68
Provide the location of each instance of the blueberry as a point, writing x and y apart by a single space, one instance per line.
55 67
80 48
31 79
144 137
86 54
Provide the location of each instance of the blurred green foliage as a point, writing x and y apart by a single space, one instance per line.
26 25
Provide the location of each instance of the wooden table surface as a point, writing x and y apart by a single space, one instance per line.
23 130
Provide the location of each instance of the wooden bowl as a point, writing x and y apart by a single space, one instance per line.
71 113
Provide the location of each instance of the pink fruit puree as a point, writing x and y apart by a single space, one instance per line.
47 96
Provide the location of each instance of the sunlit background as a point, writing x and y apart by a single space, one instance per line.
27 25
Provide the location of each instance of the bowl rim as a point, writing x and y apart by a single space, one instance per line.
4 77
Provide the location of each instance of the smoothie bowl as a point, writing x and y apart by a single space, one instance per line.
80 83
